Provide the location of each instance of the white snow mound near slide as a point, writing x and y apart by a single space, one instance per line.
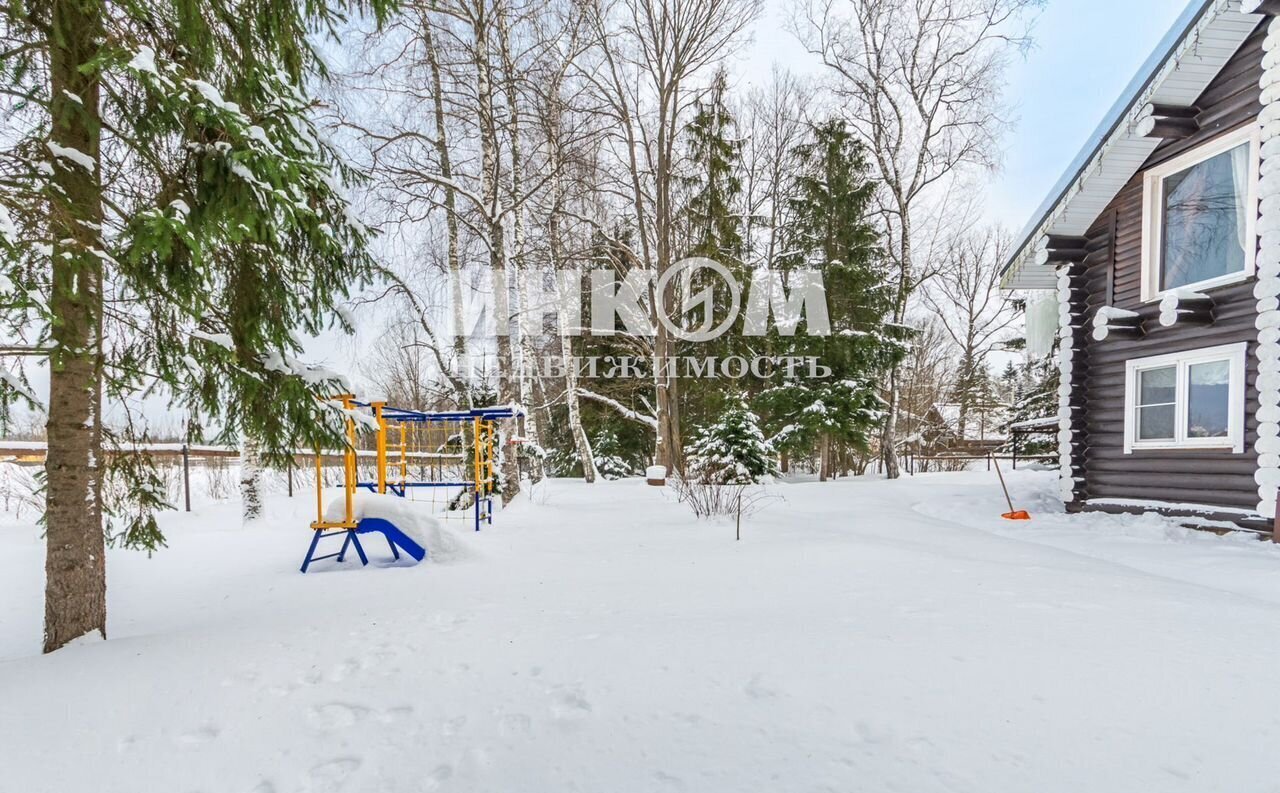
443 544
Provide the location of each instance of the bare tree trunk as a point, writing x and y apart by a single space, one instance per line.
580 441
824 457
454 263
250 481
492 197
524 275
670 451
75 564
889 435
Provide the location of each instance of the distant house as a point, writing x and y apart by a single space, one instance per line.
1162 241
937 431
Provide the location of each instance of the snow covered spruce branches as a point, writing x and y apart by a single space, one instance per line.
170 219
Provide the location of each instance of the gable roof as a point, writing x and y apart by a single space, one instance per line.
1201 41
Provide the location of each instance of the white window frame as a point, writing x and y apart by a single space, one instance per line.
1153 210
1234 354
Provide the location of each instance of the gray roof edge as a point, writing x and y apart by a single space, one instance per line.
1184 25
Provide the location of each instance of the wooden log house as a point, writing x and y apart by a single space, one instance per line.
1162 244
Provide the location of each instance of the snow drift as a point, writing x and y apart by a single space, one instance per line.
443 544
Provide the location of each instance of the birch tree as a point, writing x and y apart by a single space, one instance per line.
570 140
773 126
650 56
920 81
972 309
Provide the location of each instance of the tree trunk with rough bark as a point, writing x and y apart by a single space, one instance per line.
824 457
250 481
889 434
75 566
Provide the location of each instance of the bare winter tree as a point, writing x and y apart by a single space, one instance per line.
972 308
570 136
452 139
920 81
927 375
773 124
650 56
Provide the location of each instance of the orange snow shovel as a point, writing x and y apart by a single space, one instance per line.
1012 514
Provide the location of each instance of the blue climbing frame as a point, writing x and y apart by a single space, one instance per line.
482 484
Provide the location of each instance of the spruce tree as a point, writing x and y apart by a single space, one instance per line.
171 220
715 230
714 223
1038 400
611 458
831 232
731 451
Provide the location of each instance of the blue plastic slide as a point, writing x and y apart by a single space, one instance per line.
394 536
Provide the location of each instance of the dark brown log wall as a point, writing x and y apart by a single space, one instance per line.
1218 478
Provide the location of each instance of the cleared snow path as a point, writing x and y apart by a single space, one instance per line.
863 636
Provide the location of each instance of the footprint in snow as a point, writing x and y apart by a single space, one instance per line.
569 705
397 714
331 776
438 776
756 689
515 724
199 736
874 733
345 670
336 715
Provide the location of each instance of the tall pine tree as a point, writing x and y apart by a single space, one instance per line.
715 231
171 220
831 233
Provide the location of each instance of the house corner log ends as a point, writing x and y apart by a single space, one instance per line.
1267 290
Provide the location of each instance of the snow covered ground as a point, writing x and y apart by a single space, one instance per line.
863 636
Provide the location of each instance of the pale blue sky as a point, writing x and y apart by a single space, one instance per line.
1085 53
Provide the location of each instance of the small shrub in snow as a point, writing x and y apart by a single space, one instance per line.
732 451
724 462
609 456
19 490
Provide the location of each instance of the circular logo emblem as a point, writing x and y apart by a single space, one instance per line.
685 270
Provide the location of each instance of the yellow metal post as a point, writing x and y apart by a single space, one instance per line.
350 475
319 486
475 449
382 446
488 457
350 460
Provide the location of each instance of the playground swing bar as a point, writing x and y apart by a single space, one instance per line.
479 423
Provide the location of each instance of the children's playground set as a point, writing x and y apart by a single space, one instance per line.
450 456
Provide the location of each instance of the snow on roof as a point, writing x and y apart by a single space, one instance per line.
1030 424
1204 37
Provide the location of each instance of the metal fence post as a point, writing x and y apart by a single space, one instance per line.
1275 527
186 475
